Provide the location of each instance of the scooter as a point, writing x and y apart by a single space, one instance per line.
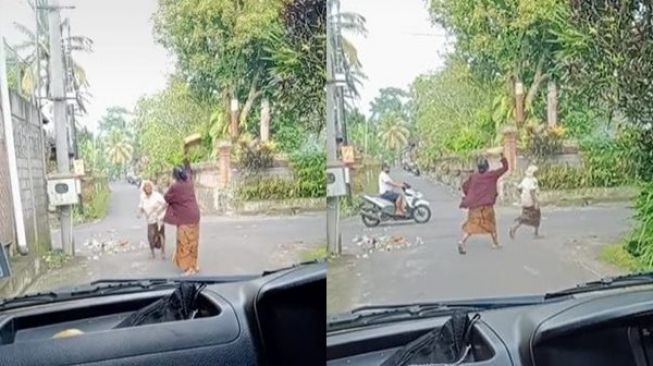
376 210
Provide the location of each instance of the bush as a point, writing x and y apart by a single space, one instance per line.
640 243
256 156
267 189
309 170
97 206
543 141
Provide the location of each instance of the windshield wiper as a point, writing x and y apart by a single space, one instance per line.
607 283
113 287
379 315
314 261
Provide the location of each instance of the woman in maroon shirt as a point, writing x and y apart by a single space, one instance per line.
184 213
480 191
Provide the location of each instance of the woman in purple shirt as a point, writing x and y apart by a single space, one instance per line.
184 213
480 191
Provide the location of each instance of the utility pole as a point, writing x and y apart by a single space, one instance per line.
334 238
58 97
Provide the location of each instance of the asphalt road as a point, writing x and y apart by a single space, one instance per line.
435 271
228 244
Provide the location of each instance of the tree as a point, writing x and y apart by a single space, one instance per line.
114 118
161 121
393 133
297 50
504 41
119 149
29 69
220 45
605 52
390 100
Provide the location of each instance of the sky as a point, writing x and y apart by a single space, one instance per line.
401 44
126 63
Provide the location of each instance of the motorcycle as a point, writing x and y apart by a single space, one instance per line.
376 210
411 167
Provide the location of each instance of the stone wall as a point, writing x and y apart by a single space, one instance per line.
30 143
214 200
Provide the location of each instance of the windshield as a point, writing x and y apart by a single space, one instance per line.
156 139
524 139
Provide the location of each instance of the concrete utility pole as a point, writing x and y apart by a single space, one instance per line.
334 239
58 97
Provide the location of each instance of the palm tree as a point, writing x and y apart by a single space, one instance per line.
351 23
119 149
393 133
38 56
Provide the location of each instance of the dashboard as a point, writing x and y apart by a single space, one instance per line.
601 328
276 319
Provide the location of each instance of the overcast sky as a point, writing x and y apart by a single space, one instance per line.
126 62
400 45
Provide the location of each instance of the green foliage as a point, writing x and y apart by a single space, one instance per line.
605 163
308 181
640 242
96 208
289 137
543 141
163 120
114 118
56 259
604 51
297 50
270 188
256 157
389 101
309 171
452 111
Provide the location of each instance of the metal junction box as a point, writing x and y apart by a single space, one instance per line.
336 181
63 191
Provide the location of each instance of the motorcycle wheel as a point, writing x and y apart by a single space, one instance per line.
422 214
369 222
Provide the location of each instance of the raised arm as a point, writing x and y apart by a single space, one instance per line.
501 171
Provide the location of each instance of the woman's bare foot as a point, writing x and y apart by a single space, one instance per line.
152 255
497 246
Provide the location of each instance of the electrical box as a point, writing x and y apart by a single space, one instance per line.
63 191
336 181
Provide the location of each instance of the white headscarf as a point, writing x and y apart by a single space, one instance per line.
530 172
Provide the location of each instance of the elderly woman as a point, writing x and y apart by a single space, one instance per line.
530 206
480 195
153 206
184 213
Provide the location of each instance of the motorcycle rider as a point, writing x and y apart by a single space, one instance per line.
386 190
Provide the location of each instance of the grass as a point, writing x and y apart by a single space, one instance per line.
616 255
96 208
314 253
56 259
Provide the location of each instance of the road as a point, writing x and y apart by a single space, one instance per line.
435 271
228 244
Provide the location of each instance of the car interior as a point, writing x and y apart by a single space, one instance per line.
599 328
274 319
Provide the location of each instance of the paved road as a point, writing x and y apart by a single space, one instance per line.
435 271
228 244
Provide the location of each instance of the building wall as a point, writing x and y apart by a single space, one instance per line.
29 139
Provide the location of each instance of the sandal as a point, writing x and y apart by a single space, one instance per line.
512 233
461 249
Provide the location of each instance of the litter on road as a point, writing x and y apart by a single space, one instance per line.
386 243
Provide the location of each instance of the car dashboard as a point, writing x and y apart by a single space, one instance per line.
601 328
276 319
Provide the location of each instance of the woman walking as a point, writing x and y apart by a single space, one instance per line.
480 195
184 213
153 206
530 212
